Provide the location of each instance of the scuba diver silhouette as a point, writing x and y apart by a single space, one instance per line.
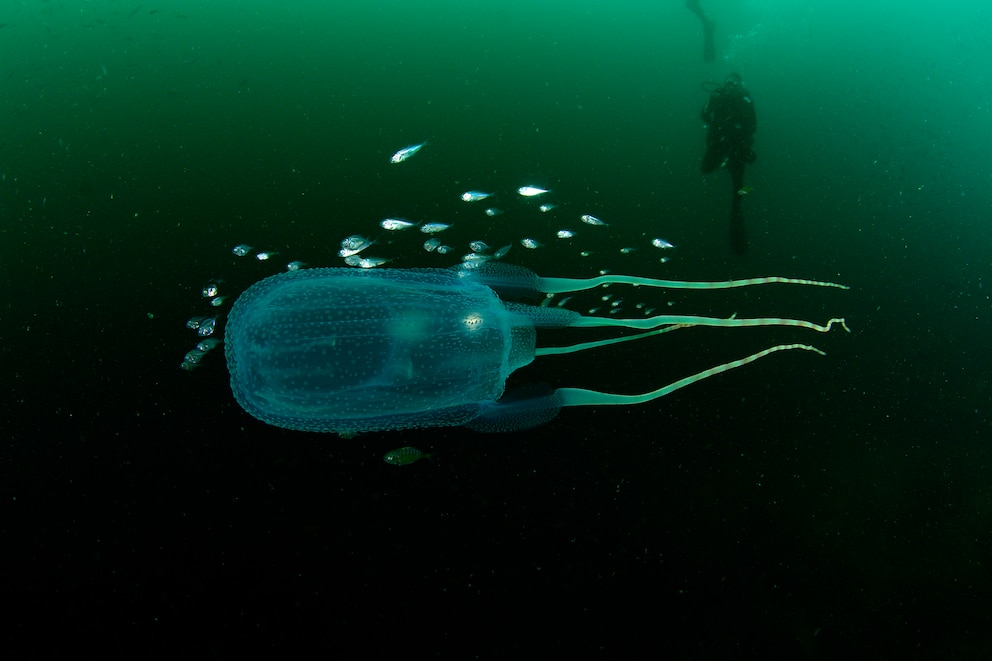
709 50
731 122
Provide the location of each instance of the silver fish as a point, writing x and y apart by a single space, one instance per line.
592 220
210 290
355 242
354 245
365 262
241 250
476 258
207 327
545 208
469 266
479 246
531 191
207 345
661 243
493 211
530 243
194 356
474 196
265 254
393 224
348 252
433 228
501 253
295 265
405 153
430 245
565 234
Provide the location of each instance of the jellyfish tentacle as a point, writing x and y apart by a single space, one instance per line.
690 320
572 348
562 285
582 397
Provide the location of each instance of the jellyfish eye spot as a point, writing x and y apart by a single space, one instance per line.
473 321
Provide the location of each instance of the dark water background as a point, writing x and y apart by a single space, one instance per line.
801 506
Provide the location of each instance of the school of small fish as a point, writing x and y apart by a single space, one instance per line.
480 250
353 253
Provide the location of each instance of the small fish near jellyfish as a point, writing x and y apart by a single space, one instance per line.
365 262
531 191
592 220
434 228
404 456
406 153
396 224
355 242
